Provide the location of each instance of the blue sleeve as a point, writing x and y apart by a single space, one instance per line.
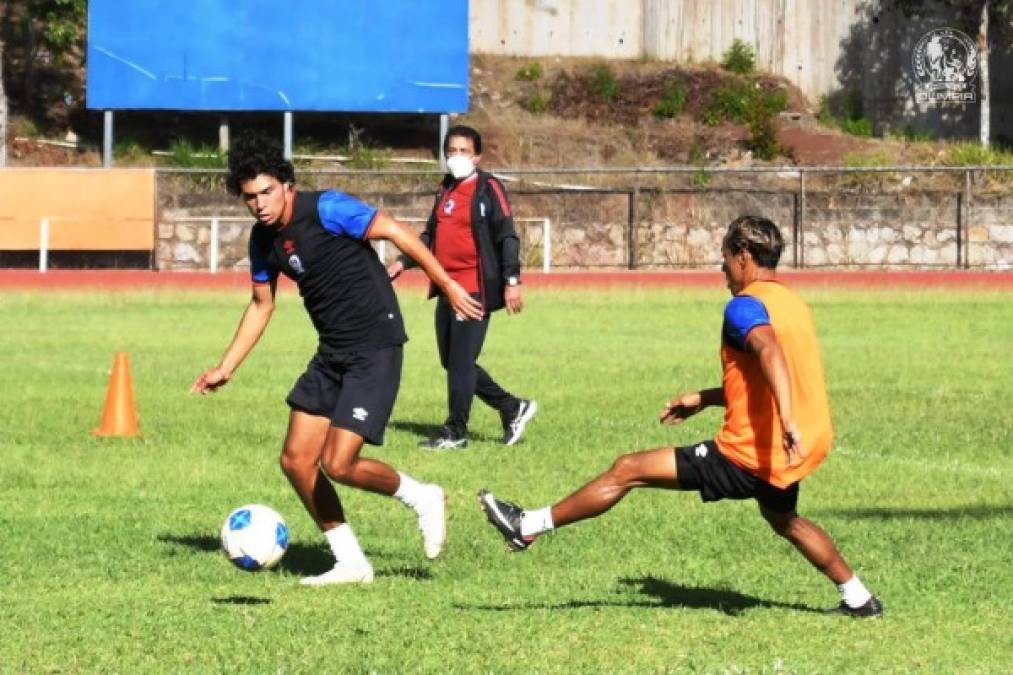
344 215
261 271
743 313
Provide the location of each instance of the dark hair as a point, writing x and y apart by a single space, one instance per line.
757 235
253 154
464 132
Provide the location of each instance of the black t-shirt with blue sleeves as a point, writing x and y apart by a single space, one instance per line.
344 286
743 313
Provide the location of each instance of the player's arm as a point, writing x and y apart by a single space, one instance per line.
251 326
402 236
762 342
689 403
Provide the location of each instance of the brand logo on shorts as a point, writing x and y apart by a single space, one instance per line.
448 206
701 450
360 414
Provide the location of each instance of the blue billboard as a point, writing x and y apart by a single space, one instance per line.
322 55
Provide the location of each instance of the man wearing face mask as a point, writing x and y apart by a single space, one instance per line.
471 233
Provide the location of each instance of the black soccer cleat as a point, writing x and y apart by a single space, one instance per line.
505 517
872 609
446 439
514 425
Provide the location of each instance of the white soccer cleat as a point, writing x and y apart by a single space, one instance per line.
433 521
341 574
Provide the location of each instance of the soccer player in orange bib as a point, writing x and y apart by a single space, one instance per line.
776 429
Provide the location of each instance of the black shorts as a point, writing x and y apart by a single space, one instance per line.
703 468
356 390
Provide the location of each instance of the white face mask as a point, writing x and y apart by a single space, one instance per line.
460 166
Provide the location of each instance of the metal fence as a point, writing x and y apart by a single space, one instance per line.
673 217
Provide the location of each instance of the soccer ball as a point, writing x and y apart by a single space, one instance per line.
254 537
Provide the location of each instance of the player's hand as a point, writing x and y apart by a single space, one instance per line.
395 269
210 380
793 450
462 302
512 297
681 408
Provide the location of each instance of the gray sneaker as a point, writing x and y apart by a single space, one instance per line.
513 427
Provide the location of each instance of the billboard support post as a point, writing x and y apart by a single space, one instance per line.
444 125
223 134
107 139
287 122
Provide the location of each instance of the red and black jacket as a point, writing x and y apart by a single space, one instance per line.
496 240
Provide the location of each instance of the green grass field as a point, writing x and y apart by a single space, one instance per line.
110 560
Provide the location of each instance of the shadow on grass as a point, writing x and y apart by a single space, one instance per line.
409 572
667 595
425 431
730 602
241 600
299 559
974 511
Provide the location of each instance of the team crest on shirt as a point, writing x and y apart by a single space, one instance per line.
448 207
296 264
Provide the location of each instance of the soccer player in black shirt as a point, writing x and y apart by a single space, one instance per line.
320 240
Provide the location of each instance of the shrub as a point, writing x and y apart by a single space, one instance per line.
764 142
739 58
130 151
603 82
529 72
364 156
970 153
729 101
183 153
536 103
845 111
741 101
698 158
672 102
857 160
912 135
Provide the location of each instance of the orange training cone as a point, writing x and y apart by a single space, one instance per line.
119 418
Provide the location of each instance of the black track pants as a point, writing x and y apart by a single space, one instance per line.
460 343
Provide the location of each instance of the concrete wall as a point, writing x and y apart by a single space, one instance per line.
821 46
610 28
799 39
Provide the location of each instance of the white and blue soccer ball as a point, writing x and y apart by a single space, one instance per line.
254 537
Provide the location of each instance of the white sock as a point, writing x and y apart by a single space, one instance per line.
534 523
854 593
345 546
410 492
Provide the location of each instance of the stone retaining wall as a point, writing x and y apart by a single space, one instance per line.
677 229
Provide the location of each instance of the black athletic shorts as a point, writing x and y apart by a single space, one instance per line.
703 468
356 390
